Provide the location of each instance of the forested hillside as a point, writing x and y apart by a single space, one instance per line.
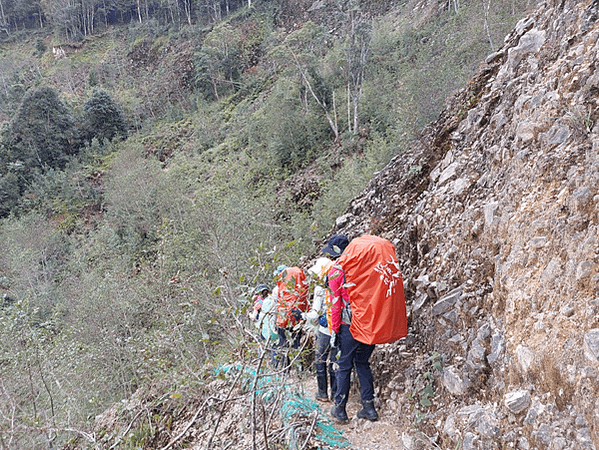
159 159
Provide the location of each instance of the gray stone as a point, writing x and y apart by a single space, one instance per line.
557 134
489 212
408 441
584 269
484 332
451 316
525 357
446 302
343 220
544 433
471 412
551 272
510 436
482 419
588 372
558 443
419 302
533 413
523 443
454 382
488 424
517 401
456 339
584 439
470 441
538 242
530 42
477 351
460 185
582 197
580 421
525 132
524 25
591 345
448 173
497 347
567 310
449 428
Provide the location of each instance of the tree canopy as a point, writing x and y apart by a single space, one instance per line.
102 117
43 132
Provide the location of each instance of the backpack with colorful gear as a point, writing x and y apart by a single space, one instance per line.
293 297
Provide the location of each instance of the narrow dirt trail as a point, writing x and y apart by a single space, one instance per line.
360 433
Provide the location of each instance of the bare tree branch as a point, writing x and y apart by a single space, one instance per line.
320 102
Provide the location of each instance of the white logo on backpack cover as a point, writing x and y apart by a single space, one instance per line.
390 274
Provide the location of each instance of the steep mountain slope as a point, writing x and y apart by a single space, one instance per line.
495 219
494 214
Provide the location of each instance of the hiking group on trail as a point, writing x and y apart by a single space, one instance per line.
357 302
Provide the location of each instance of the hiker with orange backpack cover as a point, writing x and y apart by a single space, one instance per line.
292 303
368 308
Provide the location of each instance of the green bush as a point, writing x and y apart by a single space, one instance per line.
294 134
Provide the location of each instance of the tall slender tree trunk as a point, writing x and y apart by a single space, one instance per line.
105 15
349 121
170 12
214 87
322 104
187 4
357 55
139 11
41 18
147 10
2 16
486 6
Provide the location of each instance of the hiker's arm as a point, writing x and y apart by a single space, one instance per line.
336 286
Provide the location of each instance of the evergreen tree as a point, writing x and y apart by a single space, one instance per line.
43 131
103 118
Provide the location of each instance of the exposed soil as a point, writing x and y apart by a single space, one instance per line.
360 433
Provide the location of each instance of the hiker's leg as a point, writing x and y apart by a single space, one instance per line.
331 367
320 362
296 336
321 352
362 364
348 346
280 349
282 337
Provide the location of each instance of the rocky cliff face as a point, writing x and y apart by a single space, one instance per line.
494 214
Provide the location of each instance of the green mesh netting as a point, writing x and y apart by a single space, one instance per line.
295 405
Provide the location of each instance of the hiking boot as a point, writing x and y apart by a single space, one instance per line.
368 412
321 397
321 381
339 414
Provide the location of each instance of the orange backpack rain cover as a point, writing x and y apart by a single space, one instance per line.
293 294
375 288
